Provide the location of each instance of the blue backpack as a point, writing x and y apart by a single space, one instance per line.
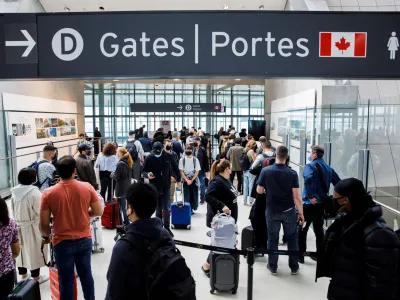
35 165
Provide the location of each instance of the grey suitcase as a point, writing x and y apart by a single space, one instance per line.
224 272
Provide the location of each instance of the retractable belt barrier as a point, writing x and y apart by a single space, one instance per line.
250 255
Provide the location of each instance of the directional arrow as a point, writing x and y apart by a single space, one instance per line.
29 43
180 107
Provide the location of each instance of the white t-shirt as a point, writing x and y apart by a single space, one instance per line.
189 164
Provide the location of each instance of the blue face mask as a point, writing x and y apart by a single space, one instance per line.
157 155
309 157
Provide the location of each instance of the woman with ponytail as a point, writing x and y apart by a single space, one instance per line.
123 177
221 196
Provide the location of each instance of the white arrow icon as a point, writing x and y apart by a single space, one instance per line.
29 43
180 107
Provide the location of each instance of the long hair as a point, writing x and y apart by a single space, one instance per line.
250 145
125 154
218 167
4 217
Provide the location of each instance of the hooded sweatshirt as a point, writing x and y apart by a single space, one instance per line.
126 273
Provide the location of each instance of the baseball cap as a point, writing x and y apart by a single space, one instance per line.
82 148
49 148
157 147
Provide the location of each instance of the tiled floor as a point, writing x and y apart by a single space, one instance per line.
282 287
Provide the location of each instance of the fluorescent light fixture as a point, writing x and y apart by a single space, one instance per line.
238 79
66 9
226 6
176 79
116 80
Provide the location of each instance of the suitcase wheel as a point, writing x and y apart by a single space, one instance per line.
172 226
102 250
212 291
189 227
234 292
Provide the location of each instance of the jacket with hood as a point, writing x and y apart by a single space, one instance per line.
25 204
126 274
85 170
122 176
360 255
220 193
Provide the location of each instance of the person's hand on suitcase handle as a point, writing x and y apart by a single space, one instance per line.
150 175
226 210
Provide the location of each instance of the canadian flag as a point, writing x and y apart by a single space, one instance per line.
342 44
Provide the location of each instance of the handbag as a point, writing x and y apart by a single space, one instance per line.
329 210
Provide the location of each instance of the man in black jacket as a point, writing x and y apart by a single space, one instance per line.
359 252
202 156
157 168
126 272
84 167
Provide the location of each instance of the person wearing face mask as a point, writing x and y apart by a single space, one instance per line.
168 148
221 197
83 141
359 252
158 167
189 168
318 177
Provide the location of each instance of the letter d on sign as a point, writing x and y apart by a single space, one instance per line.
67 44
220 45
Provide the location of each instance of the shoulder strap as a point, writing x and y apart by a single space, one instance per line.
194 163
322 177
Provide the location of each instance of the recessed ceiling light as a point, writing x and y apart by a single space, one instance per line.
116 80
66 9
176 79
226 6
101 8
261 7
238 79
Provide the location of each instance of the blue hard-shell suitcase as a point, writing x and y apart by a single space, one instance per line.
181 214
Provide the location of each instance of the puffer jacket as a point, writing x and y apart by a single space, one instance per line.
360 255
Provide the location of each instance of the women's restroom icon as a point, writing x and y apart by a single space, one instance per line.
393 45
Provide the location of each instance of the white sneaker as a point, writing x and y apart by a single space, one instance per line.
43 279
272 272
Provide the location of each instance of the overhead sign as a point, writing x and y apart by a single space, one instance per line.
204 44
176 107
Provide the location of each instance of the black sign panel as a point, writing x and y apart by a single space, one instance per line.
176 107
208 44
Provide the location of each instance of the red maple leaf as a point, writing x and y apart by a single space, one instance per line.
342 45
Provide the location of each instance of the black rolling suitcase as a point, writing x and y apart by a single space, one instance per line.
224 272
26 290
247 237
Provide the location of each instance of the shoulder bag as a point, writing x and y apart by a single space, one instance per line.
329 210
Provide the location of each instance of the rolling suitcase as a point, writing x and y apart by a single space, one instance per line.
181 214
110 217
247 237
224 272
26 290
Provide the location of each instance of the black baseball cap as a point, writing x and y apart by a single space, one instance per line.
82 148
157 147
49 148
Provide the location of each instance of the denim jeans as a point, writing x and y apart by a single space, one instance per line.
288 220
248 183
74 252
163 210
191 195
124 220
202 179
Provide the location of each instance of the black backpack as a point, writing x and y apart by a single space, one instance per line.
35 165
167 275
244 162
131 147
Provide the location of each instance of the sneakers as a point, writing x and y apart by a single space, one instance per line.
272 272
251 201
43 278
295 272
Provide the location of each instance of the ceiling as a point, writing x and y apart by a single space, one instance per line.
146 5
214 81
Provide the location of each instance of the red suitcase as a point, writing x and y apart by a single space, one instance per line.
110 217
55 285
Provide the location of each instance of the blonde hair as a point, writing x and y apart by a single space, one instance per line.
125 154
250 145
218 167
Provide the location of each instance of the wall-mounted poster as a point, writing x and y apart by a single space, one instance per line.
61 123
70 122
21 129
42 133
53 132
282 126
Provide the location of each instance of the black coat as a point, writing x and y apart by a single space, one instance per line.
122 176
123 282
220 193
203 159
162 168
360 255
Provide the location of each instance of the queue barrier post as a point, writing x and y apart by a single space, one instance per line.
250 264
